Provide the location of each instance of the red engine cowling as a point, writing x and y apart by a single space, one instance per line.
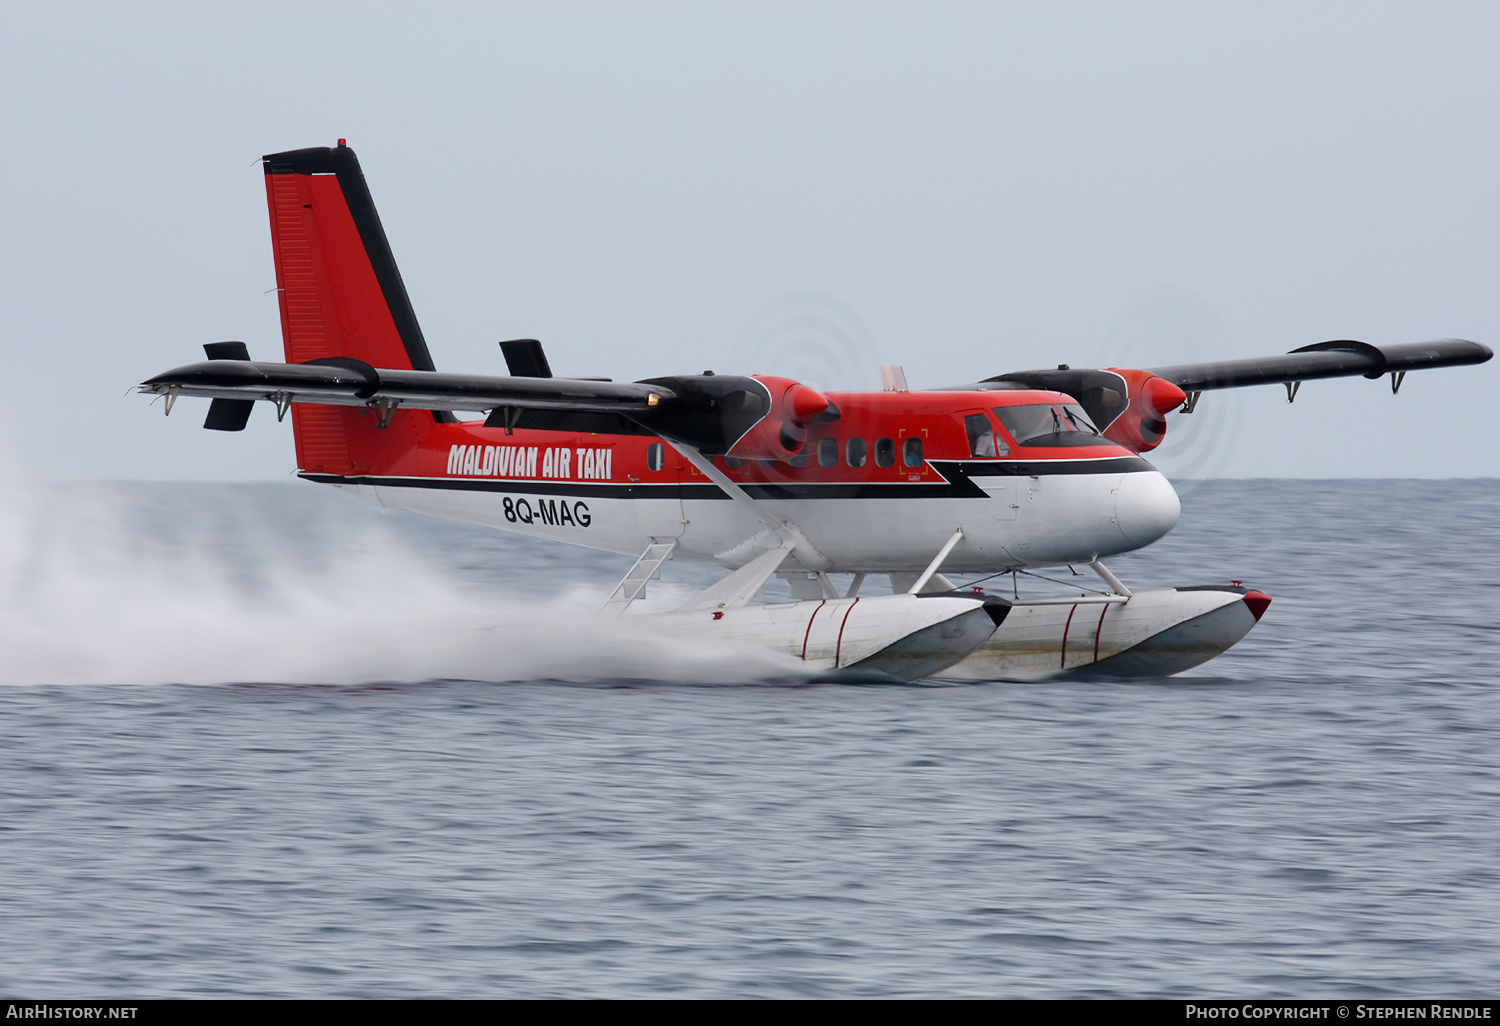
780 434
1143 424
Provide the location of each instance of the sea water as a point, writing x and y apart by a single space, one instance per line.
262 741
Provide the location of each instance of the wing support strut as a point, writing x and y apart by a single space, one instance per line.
790 534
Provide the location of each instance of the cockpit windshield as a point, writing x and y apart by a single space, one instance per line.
1049 424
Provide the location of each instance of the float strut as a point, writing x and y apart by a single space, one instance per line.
937 561
1109 578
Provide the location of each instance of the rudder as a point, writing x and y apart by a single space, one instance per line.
341 295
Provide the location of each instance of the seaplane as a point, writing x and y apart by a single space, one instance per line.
1012 476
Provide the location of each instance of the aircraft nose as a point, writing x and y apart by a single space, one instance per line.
1146 507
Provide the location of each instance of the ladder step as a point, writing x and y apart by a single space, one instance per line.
633 585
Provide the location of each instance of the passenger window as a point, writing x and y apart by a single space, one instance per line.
655 456
828 452
733 462
911 452
799 460
854 452
885 452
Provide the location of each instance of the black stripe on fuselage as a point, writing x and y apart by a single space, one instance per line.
641 490
958 482
1040 468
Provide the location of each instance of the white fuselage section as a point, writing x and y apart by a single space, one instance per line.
1044 519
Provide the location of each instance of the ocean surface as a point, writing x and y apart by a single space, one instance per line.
264 741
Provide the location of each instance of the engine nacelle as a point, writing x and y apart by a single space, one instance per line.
781 434
1129 406
1142 425
753 418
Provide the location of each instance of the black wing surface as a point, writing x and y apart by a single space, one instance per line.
340 381
1343 358
710 412
1107 395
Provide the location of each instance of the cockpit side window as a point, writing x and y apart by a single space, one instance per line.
982 441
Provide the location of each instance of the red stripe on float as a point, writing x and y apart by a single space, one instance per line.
1063 665
1099 630
808 633
838 648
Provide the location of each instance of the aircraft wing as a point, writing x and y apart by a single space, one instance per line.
1130 405
346 382
756 418
1324 360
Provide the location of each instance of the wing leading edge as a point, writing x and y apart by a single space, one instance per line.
754 418
1343 358
1130 405
341 381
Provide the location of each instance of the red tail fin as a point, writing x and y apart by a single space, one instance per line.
341 296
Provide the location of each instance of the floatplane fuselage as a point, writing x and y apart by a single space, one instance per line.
761 475
880 494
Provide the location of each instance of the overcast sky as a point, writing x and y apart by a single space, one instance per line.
656 188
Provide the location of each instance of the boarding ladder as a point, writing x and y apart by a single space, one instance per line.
633 585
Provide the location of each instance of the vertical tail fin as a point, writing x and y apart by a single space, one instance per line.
341 296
